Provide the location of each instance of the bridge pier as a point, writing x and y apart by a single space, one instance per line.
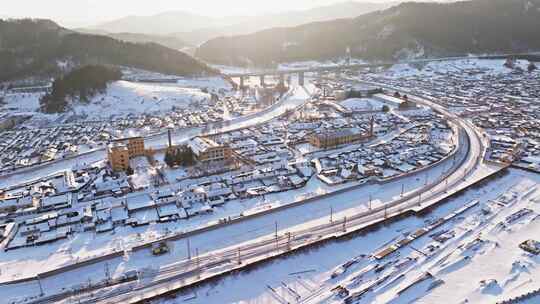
301 79
262 80
242 86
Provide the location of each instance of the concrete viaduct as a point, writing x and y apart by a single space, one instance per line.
339 68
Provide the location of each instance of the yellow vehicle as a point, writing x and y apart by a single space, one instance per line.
160 248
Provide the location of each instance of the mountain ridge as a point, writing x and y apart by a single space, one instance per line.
36 47
459 28
195 29
170 41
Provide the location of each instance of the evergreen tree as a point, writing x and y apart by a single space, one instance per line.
180 156
82 83
169 158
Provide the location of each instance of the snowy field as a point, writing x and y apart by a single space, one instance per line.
317 64
492 66
288 66
362 104
305 277
125 97
21 102
211 83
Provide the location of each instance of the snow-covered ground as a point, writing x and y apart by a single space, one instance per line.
212 83
289 66
143 174
362 104
124 98
493 66
318 64
307 274
22 102
85 245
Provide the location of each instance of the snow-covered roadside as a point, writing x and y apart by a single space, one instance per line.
84 245
309 270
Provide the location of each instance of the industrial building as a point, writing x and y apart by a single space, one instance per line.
332 139
207 150
122 150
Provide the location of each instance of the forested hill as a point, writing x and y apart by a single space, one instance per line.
169 41
30 47
80 84
409 30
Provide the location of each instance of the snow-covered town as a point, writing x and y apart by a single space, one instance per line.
132 201
279 152
499 96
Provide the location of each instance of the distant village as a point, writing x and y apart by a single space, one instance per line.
504 105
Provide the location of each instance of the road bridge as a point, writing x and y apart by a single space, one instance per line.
338 69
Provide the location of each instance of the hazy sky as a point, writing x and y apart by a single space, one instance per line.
86 12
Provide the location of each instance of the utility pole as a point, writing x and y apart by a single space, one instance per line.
385 211
275 230
331 214
198 262
370 202
41 293
344 224
239 257
427 179
420 199
288 241
107 272
402 190
276 237
188 249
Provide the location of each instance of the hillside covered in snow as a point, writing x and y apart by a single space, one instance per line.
123 98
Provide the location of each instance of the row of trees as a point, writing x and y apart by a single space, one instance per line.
82 83
180 156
